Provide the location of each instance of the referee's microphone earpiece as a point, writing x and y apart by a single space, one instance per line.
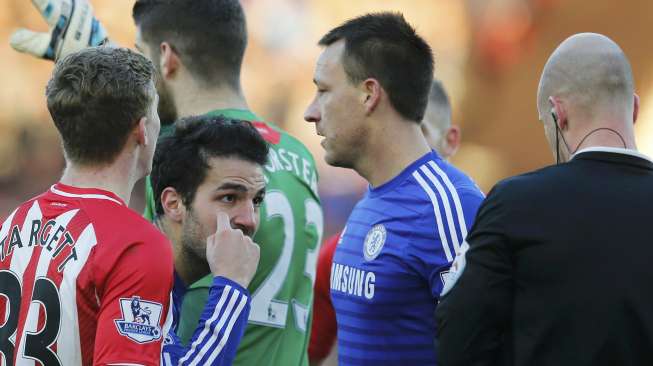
555 123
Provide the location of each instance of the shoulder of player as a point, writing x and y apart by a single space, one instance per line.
15 217
123 224
290 162
438 197
125 241
290 142
448 175
427 187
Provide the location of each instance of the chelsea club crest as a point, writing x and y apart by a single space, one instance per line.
374 241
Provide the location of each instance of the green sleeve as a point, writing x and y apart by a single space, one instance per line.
192 307
148 213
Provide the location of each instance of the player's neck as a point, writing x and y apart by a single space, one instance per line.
189 267
392 150
194 100
114 178
603 135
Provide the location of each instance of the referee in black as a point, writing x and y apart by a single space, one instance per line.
559 263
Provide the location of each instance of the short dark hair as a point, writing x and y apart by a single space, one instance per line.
438 95
96 96
210 35
181 160
385 47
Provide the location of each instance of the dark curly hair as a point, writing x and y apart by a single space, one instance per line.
181 160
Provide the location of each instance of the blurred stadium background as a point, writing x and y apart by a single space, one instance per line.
489 54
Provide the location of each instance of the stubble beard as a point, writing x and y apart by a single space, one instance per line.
349 152
166 108
338 161
192 244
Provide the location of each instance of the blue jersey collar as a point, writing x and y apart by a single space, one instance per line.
401 177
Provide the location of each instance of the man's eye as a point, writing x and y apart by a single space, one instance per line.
228 198
258 201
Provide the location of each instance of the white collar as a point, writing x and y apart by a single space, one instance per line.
616 150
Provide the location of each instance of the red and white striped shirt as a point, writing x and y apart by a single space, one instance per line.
84 280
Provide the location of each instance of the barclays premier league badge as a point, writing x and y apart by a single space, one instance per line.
140 319
374 241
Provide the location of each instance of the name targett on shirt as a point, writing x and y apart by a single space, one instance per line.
352 281
49 235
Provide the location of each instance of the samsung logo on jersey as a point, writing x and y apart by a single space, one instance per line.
352 281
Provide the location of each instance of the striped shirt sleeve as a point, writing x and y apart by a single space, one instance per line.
446 224
219 331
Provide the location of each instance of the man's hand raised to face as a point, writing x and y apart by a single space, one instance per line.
231 253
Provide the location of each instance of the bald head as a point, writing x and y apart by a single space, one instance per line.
591 74
586 96
436 126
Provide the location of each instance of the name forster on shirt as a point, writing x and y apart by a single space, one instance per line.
281 159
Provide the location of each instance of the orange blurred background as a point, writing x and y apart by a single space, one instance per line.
489 54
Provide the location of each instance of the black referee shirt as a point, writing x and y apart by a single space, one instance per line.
559 269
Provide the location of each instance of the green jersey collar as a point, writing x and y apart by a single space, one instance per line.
204 282
243 114
268 130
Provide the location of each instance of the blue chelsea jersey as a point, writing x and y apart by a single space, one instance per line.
393 259
220 329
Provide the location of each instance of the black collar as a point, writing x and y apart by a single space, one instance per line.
615 157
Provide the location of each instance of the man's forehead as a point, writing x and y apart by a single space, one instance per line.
330 57
235 170
239 183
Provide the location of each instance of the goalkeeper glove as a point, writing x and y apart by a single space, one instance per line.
73 26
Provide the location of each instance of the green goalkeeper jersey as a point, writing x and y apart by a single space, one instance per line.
289 235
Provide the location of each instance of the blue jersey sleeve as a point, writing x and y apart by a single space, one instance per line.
219 331
442 233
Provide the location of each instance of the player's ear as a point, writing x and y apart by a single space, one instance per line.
169 61
371 95
173 206
559 110
140 131
452 140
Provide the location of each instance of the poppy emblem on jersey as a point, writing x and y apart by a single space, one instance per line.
374 241
140 319
456 270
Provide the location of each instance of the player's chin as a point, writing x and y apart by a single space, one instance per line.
329 156
336 160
